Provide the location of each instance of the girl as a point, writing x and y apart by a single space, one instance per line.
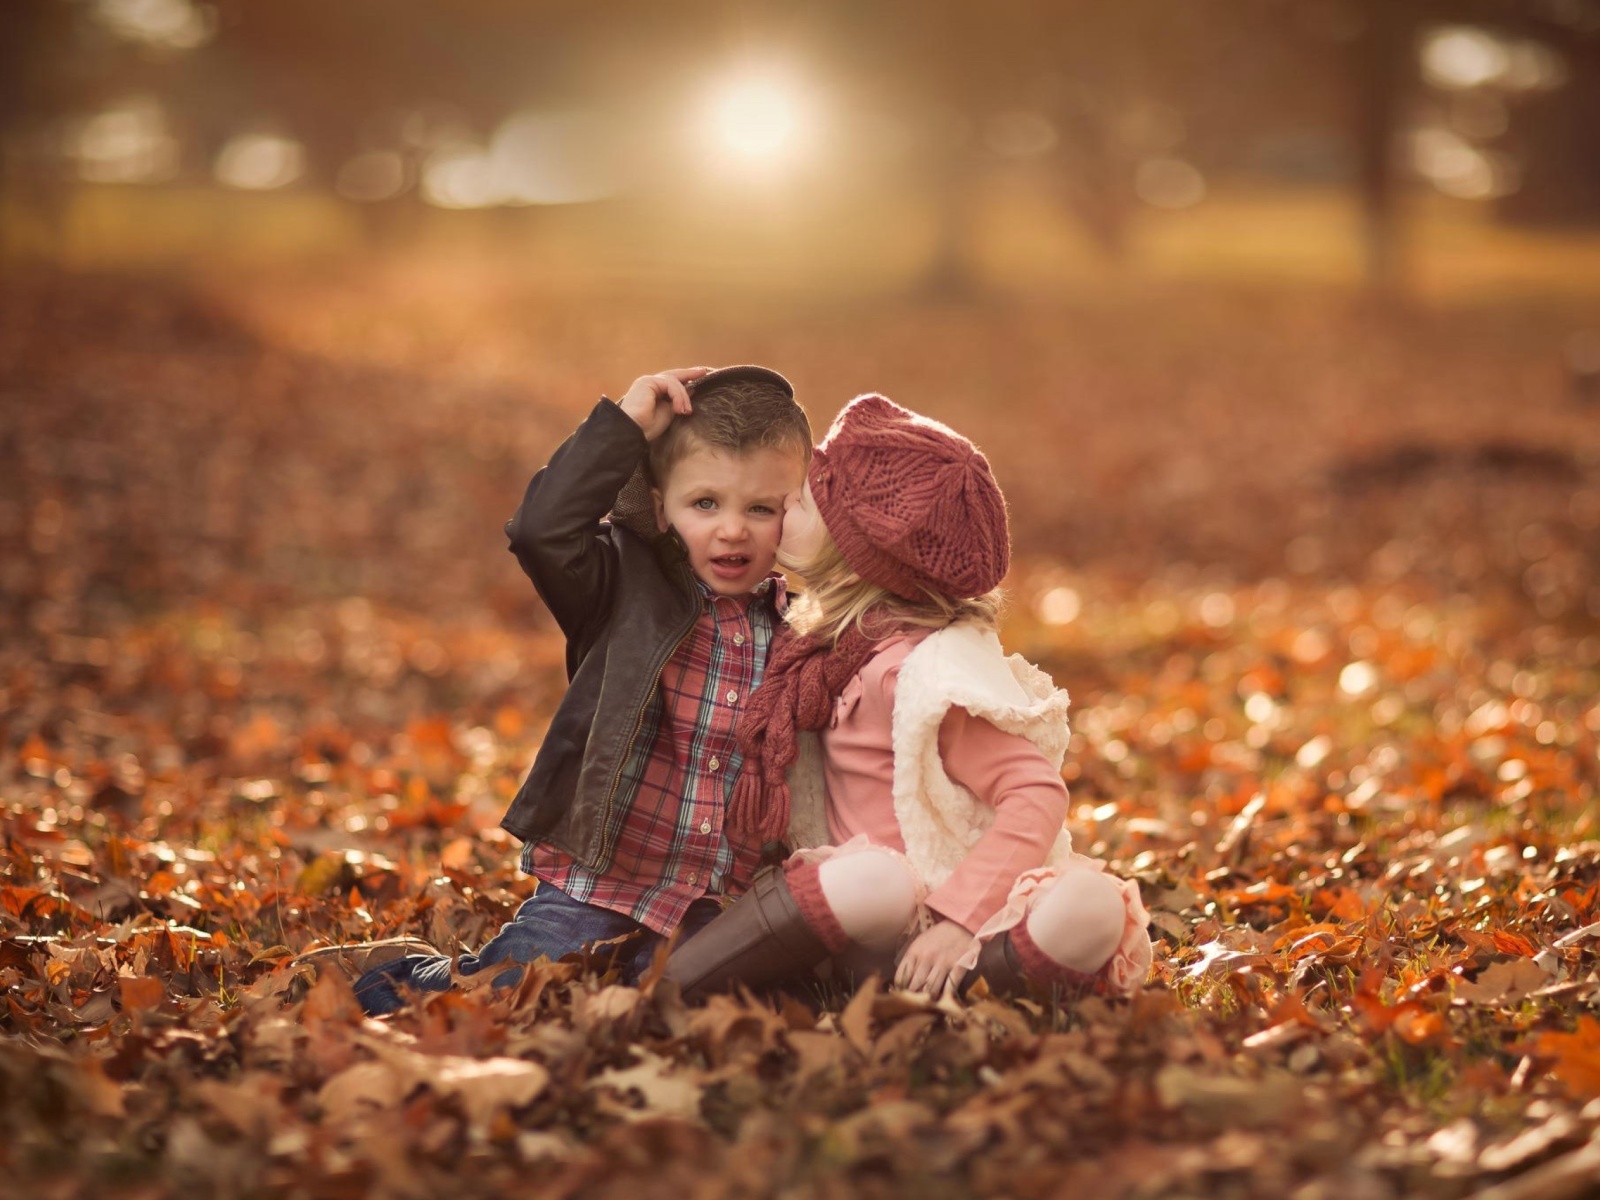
940 756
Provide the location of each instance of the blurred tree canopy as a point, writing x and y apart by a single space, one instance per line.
1111 105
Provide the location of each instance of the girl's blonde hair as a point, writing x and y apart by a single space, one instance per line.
836 598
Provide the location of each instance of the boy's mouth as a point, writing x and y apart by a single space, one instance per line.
730 564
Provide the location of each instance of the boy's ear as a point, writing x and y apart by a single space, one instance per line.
661 510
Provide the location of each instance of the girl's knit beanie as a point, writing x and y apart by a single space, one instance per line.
911 504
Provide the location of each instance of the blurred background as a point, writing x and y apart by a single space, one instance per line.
1246 293
1446 147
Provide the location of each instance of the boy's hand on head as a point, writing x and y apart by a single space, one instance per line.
653 400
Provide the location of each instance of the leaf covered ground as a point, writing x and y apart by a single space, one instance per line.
1320 578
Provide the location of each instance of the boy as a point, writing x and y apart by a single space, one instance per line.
668 609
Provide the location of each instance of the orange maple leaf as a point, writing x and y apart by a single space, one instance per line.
1577 1057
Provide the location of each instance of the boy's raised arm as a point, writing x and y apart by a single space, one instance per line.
653 400
556 531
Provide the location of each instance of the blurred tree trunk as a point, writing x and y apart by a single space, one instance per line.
1383 63
949 274
1558 133
37 77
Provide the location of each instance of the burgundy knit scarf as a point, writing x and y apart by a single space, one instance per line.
804 676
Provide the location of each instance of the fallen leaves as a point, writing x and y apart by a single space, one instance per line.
263 692
659 1087
1504 984
1575 1057
1224 1102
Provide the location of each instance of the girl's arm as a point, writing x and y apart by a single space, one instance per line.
1030 802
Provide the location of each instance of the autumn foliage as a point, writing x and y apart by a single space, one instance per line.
1321 581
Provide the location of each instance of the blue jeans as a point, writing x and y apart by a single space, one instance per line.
549 923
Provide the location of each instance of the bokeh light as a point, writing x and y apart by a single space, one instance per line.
170 24
460 175
760 117
1169 183
260 162
1059 605
1463 57
553 158
371 176
1458 168
130 142
533 158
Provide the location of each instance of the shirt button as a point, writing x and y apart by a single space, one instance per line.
715 764
705 826
733 696
738 639
694 876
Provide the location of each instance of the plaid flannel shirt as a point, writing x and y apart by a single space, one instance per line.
670 848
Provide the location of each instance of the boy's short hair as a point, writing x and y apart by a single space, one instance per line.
735 410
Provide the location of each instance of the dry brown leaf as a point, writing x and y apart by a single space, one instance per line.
484 1087
855 1022
360 1089
330 1001
1576 1057
1505 983
665 1088
815 1053
250 1104
1225 1100
141 994
613 1002
95 1091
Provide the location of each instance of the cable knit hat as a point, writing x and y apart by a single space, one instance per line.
911 504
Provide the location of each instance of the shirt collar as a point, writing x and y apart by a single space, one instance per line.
775 587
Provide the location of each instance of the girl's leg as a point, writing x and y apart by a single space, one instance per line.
793 919
871 895
1078 923
1065 941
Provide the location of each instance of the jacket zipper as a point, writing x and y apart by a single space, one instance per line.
627 749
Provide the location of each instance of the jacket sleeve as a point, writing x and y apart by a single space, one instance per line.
558 534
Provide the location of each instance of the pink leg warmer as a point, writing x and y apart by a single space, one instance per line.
805 885
866 899
1040 967
1074 928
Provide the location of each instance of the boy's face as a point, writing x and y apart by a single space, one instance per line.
728 508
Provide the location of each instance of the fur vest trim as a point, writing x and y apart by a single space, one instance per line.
960 665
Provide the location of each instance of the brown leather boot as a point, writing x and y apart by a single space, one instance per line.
1003 964
761 938
999 967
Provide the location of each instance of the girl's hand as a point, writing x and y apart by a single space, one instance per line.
653 400
929 962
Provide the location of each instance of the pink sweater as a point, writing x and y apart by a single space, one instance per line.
1006 770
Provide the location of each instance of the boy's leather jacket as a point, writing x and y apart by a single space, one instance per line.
624 599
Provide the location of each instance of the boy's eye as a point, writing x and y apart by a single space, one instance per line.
763 510
705 504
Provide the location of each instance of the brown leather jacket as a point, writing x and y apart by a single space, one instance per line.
624 597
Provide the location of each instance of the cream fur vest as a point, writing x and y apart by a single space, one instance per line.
959 665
